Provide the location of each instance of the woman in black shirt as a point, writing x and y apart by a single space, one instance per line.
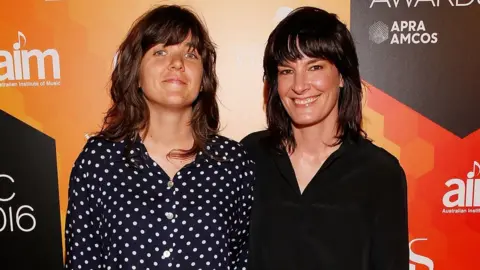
325 196
158 188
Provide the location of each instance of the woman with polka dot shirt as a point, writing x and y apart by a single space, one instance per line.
157 187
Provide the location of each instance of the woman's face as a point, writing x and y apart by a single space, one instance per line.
171 76
309 90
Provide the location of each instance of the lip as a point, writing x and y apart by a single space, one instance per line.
174 80
305 101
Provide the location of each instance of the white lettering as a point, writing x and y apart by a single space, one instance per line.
467 193
380 1
420 26
425 38
4 220
26 215
431 1
8 177
408 26
410 32
415 3
476 199
8 64
394 39
405 38
17 63
395 26
419 259
416 38
459 192
21 220
41 63
413 38
464 4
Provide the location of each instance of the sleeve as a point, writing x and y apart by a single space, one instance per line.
390 250
242 224
82 226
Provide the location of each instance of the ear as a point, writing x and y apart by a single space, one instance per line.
341 81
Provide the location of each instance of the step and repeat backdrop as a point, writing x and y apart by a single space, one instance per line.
419 59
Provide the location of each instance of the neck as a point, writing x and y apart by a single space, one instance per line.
170 129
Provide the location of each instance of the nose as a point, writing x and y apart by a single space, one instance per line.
176 63
300 83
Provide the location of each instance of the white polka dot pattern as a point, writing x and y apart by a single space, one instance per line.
126 216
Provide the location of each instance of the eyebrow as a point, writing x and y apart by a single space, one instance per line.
315 60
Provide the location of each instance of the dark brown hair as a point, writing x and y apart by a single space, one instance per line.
318 34
129 114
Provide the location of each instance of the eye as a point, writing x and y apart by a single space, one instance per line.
316 67
285 71
160 52
192 55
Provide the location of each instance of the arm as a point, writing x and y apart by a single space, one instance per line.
82 228
390 249
242 223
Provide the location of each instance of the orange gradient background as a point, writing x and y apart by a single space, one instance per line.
86 33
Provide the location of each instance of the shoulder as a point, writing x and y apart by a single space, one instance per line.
226 149
380 155
98 150
232 153
99 145
253 140
382 162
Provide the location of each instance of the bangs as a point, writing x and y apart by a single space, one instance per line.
171 29
292 47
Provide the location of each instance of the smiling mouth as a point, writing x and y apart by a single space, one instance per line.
305 101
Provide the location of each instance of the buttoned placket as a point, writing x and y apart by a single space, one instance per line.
169 192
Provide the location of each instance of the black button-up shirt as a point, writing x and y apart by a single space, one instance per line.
126 216
351 216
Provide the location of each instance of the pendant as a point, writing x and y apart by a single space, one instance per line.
170 184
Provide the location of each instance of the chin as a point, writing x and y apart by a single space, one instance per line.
177 100
305 122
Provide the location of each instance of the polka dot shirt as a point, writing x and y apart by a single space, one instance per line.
129 215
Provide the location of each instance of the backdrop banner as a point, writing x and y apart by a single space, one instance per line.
419 60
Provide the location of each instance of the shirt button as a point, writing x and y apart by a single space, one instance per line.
166 254
169 215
